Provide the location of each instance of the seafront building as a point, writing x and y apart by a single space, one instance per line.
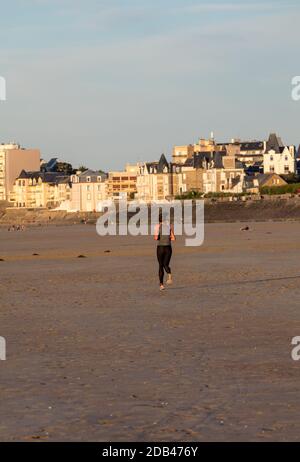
282 162
89 188
123 184
158 180
40 190
204 167
14 159
247 152
204 172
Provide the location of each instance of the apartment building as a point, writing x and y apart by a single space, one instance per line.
123 185
217 172
182 153
89 189
158 180
226 180
14 159
248 152
40 190
205 172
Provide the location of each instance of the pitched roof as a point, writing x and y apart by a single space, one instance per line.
46 177
262 178
201 159
50 165
252 146
158 166
274 142
92 174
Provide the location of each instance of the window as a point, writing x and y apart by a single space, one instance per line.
89 197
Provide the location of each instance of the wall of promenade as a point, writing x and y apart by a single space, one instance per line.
216 210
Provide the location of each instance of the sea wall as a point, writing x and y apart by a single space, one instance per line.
216 210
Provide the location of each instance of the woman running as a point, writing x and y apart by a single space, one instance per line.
164 235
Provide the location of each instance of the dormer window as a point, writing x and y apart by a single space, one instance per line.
88 179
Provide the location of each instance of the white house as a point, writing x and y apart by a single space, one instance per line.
282 162
88 190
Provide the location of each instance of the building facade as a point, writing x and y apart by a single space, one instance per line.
159 180
282 162
123 185
14 159
205 172
89 189
40 190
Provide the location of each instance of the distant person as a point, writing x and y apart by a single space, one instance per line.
164 236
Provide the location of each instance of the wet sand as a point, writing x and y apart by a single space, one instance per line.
95 352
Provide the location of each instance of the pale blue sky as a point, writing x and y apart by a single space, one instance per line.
105 82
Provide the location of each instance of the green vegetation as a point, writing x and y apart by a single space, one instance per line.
190 195
64 167
82 168
211 195
291 188
225 194
291 178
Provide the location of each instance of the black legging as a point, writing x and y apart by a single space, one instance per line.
164 254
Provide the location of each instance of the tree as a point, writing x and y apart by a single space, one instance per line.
82 168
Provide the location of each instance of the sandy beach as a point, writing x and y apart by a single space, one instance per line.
95 352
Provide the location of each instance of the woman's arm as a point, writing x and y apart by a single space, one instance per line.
156 233
173 238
